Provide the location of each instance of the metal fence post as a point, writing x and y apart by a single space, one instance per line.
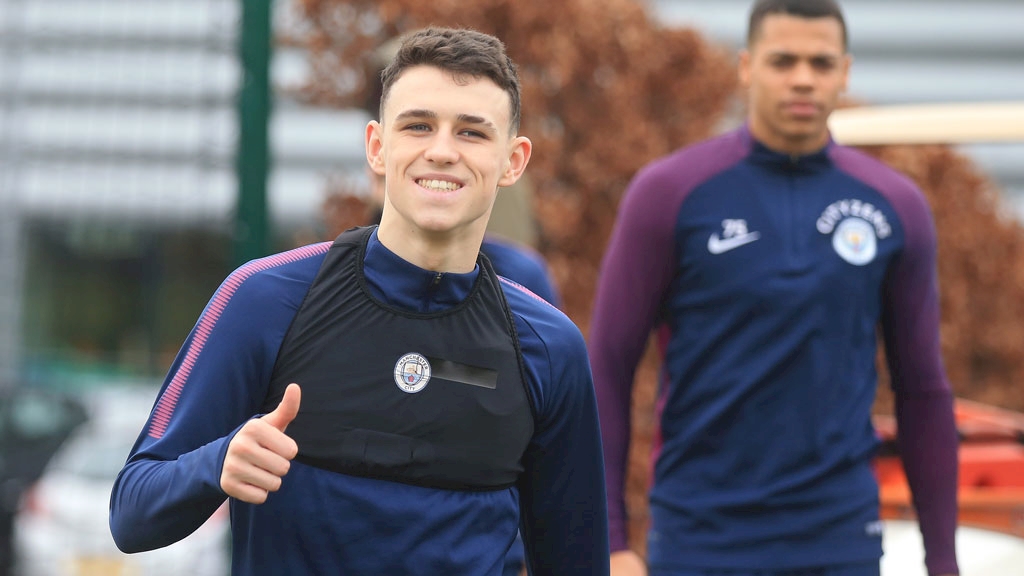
251 238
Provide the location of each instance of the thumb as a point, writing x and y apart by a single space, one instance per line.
287 409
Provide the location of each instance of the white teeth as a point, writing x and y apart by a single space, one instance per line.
442 185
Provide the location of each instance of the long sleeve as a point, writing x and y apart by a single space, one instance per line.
564 517
924 401
170 483
523 266
927 441
637 268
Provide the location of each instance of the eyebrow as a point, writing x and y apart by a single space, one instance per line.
788 54
431 115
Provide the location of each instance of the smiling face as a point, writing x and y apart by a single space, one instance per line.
795 70
444 146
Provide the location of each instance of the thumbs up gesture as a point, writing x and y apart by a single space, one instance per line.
260 454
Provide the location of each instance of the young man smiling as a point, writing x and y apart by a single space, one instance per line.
386 404
768 257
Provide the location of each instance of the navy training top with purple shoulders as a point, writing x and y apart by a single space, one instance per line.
326 522
766 276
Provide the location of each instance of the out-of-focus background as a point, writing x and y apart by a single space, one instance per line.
147 147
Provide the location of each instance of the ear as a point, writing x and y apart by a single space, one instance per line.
517 161
375 147
847 61
743 68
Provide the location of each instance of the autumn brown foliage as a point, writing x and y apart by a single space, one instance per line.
981 274
605 90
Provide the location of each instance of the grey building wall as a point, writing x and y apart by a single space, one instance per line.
122 113
125 108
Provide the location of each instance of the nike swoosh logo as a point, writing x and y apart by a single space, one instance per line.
717 245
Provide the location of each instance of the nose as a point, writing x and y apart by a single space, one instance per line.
442 149
802 76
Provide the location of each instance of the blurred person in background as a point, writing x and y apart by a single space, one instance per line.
386 404
510 258
768 257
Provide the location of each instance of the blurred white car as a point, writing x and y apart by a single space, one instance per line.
979 552
62 528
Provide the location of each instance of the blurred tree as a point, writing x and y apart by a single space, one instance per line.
605 90
981 275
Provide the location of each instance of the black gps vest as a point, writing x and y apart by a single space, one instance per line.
435 400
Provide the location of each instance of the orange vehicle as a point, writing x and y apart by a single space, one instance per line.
991 478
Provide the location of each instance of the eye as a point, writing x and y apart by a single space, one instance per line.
782 62
472 133
823 64
418 127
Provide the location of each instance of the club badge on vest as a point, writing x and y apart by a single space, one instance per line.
856 227
412 372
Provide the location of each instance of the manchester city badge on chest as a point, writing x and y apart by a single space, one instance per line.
412 372
856 227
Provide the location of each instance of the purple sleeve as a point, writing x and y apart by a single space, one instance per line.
927 441
637 267
924 401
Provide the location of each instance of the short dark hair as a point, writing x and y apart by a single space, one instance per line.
799 8
459 52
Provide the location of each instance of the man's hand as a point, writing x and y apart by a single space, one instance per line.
627 563
260 454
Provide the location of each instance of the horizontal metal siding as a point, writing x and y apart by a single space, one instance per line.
91 90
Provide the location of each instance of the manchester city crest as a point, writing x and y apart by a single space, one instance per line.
854 240
856 227
412 372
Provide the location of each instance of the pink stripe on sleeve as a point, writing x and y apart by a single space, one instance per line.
524 290
161 417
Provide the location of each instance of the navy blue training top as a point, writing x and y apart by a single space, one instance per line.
526 267
330 523
767 277
522 265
